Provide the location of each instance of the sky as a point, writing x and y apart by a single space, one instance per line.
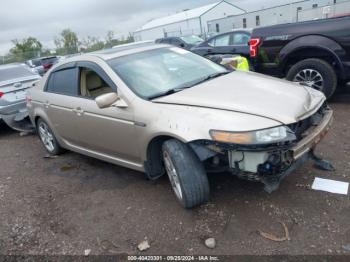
45 19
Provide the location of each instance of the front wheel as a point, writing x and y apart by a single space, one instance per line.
186 174
315 73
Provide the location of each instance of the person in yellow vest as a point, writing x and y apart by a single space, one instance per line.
236 62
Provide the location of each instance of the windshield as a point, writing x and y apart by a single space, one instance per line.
13 72
158 71
192 40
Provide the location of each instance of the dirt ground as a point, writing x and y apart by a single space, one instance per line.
73 203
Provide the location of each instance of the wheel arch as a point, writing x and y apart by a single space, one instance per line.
153 156
314 46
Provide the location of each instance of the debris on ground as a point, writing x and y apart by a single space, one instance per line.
210 243
48 156
331 186
87 252
144 245
305 186
347 247
107 246
276 238
322 164
25 133
67 168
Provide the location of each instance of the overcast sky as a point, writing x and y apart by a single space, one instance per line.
45 19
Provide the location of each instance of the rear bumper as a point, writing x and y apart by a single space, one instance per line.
12 108
16 116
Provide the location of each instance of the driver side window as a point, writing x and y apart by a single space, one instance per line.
91 84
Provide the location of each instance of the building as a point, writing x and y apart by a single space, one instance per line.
287 13
194 21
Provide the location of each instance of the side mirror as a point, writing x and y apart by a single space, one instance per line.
106 100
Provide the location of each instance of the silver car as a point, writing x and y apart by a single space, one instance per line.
15 79
164 110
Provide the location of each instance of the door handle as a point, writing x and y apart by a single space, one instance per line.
78 111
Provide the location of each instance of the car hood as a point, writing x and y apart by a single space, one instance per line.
252 93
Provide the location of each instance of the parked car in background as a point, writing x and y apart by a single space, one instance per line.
48 62
315 53
36 65
231 43
43 64
15 79
161 109
186 42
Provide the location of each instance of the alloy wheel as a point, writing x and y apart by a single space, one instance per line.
173 176
46 136
311 78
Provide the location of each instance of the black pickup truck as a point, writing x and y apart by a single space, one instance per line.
316 53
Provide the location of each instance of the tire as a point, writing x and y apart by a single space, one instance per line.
183 165
48 138
319 68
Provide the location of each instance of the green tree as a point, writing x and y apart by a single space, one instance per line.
26 49
91 44
109 39
67 42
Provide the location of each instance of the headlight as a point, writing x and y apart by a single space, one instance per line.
265 136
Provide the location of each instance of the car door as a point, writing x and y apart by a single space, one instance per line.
220 44
240 43
108 132
60 98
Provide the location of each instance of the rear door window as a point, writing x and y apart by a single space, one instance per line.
240 39
223 40
64 82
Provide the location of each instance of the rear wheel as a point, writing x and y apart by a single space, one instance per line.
186 174
315 73
48 138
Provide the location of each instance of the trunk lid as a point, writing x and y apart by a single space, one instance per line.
18 84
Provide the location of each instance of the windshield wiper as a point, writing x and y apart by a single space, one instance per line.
169 92
212 76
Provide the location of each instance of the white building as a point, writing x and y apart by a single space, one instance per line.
287 13
194 21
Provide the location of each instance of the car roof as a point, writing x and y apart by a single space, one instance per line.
121 50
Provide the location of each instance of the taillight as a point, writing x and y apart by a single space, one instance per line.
47 66
254 46
1 94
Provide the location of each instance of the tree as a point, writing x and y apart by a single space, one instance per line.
109 39
91 44
67 42
26 48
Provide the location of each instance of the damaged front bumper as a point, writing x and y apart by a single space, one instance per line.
300 153
272 164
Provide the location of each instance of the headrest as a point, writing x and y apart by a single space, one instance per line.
93 81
